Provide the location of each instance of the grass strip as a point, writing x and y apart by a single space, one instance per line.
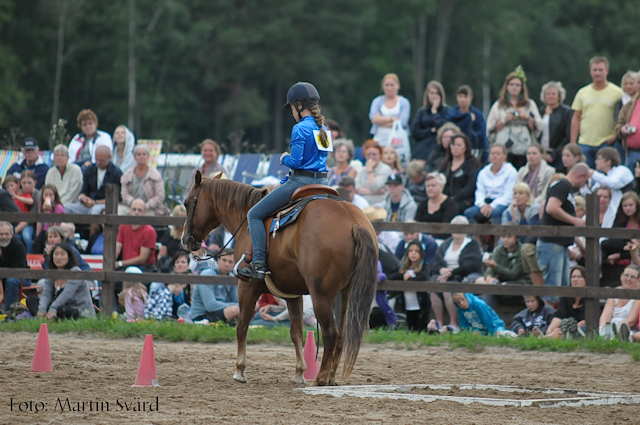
173 331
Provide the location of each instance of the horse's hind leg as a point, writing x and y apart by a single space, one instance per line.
323 307
295 317
337 352
248 294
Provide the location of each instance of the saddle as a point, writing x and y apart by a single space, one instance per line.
300 199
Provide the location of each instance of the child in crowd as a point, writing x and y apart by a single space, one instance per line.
390 157
413 268
382 314
25 200
475 315
160 303
134 297
49 203
533 320
416 178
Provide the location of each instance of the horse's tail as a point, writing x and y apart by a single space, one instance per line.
363 283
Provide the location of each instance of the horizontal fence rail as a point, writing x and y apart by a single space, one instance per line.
591 293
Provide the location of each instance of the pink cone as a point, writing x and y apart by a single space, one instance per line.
147 376
42 356
310 358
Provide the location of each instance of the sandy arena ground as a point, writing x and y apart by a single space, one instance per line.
196 385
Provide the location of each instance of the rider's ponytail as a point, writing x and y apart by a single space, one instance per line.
319 118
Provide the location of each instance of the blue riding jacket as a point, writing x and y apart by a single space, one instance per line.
305 155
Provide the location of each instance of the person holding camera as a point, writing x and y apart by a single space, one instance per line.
627 129
514 121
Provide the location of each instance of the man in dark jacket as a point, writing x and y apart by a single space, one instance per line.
471 122
12 255
31 161
96 177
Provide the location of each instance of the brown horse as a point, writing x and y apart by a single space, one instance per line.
331 248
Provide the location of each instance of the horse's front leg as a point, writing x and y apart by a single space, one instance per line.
296 330
248 293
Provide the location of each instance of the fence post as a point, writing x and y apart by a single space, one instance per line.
592 262
109 256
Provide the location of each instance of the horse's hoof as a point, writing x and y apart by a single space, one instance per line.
238 377
298 380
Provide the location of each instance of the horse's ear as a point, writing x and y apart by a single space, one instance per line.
218 176
198 179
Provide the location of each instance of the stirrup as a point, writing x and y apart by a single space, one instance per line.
253 271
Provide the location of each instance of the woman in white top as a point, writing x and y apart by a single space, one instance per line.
388 108
124 141
514 120
457 259
623 312
372 178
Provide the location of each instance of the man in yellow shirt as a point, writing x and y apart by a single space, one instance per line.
593 111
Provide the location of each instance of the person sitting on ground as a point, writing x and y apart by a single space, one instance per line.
460 168
398 203
371 179
522 210
439 152
64 175
438 207
343 155
134 297
143 182
536 173
96 177
84 145
49 204
12 255
65 298
471 121
458 259
474 315
622 313
568 321
124 141
54 236
428 120
382 314
533 320
415 182
428 243
171 241
27 200
390 157
628 217
160 303
349 186
31 161
416 304
216 302
179 264
136 242
494 188
271 315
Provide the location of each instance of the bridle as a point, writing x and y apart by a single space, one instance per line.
192 239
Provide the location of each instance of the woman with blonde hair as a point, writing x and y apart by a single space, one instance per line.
210 152
143 182
514 121
523 209
556 122
123 143
388 108
438 208
428 120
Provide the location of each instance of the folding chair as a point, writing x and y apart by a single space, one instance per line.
275 168
246 168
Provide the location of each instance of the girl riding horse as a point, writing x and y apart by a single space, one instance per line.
309 146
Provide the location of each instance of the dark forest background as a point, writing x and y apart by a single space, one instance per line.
184 70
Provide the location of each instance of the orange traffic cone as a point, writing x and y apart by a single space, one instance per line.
310 358
147 376
42 356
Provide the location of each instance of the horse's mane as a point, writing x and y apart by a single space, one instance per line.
231 195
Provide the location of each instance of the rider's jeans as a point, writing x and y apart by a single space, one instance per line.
277 199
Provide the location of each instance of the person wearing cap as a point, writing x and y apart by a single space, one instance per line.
143 182
398 203
31 161
310 143
83 146
95 179
64 175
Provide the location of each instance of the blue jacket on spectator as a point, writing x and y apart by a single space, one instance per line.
479 317
429 246
39 168
476 130
90 186
527 319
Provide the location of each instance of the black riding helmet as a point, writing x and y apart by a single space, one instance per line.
303 92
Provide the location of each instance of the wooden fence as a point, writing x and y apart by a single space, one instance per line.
591 293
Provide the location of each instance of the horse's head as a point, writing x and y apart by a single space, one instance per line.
200 219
